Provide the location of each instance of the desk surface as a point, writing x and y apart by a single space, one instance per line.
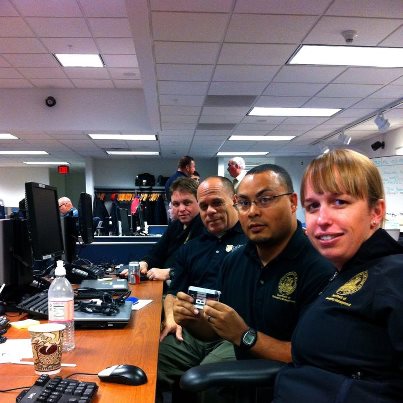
135 344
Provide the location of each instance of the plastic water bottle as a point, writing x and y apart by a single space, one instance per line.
61 305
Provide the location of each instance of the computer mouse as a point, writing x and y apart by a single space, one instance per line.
125 373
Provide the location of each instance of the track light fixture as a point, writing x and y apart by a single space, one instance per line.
382 123
324 149
344 139
377 145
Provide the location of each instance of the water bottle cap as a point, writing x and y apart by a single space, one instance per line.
60 269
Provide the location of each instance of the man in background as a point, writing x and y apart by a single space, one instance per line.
186 167
236 168
66 207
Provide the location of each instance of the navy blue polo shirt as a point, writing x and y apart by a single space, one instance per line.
198 261
271 298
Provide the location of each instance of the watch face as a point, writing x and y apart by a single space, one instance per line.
249 337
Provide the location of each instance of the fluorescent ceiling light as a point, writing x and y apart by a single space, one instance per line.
7 136
399 151
133 153
260 111
348 56
242 153
261 138
46 163
79 60
123 136
23 153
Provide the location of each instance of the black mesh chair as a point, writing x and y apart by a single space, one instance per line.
254 379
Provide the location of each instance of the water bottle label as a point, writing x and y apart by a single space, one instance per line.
61 310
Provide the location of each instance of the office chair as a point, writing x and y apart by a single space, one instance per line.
254 379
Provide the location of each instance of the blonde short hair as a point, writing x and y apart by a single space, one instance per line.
344 171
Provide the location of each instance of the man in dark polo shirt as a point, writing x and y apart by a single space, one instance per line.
197 264
267 283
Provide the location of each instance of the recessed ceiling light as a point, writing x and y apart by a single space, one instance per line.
46 163
242 153
348 56
133 152
79 60
123 136
7 136
23 153
260 111
261 138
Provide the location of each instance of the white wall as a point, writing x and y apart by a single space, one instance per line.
12 182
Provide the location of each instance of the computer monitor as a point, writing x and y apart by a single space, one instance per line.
70 237
43 221
85 218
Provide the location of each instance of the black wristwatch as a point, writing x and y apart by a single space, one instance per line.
248 339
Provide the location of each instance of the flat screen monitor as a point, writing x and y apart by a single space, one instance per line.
70 237
85 218
43 221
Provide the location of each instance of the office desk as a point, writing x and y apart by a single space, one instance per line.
135 344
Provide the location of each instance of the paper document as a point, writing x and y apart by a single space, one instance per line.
140 304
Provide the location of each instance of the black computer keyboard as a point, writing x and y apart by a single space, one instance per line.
58 390
36 305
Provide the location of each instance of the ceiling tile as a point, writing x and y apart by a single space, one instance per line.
236 88
46 8
93 83
104 8
186 53
281 102
368 75
21 45
308 74
257 54
180 110
51 83
125 73
59 27
87 72
367 8
293 89
6 9
201 27
244 73
345 90
192 5
14 27
110 27
328 30
333 102
182 87
32 60
116 46
255 28
70 45
184 100
183 72
313 7
120 60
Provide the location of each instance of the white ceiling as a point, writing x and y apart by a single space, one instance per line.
202 65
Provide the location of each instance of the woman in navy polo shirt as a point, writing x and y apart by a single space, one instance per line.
348 346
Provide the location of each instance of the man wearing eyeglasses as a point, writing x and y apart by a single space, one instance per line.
267 283
66 208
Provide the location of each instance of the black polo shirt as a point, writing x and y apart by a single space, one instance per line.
198 261
163 253
271 298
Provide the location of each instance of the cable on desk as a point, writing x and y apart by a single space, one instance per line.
10 390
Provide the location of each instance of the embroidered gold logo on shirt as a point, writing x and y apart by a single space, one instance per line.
351 287
229 248
286 286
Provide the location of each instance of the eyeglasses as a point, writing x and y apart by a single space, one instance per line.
262 202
